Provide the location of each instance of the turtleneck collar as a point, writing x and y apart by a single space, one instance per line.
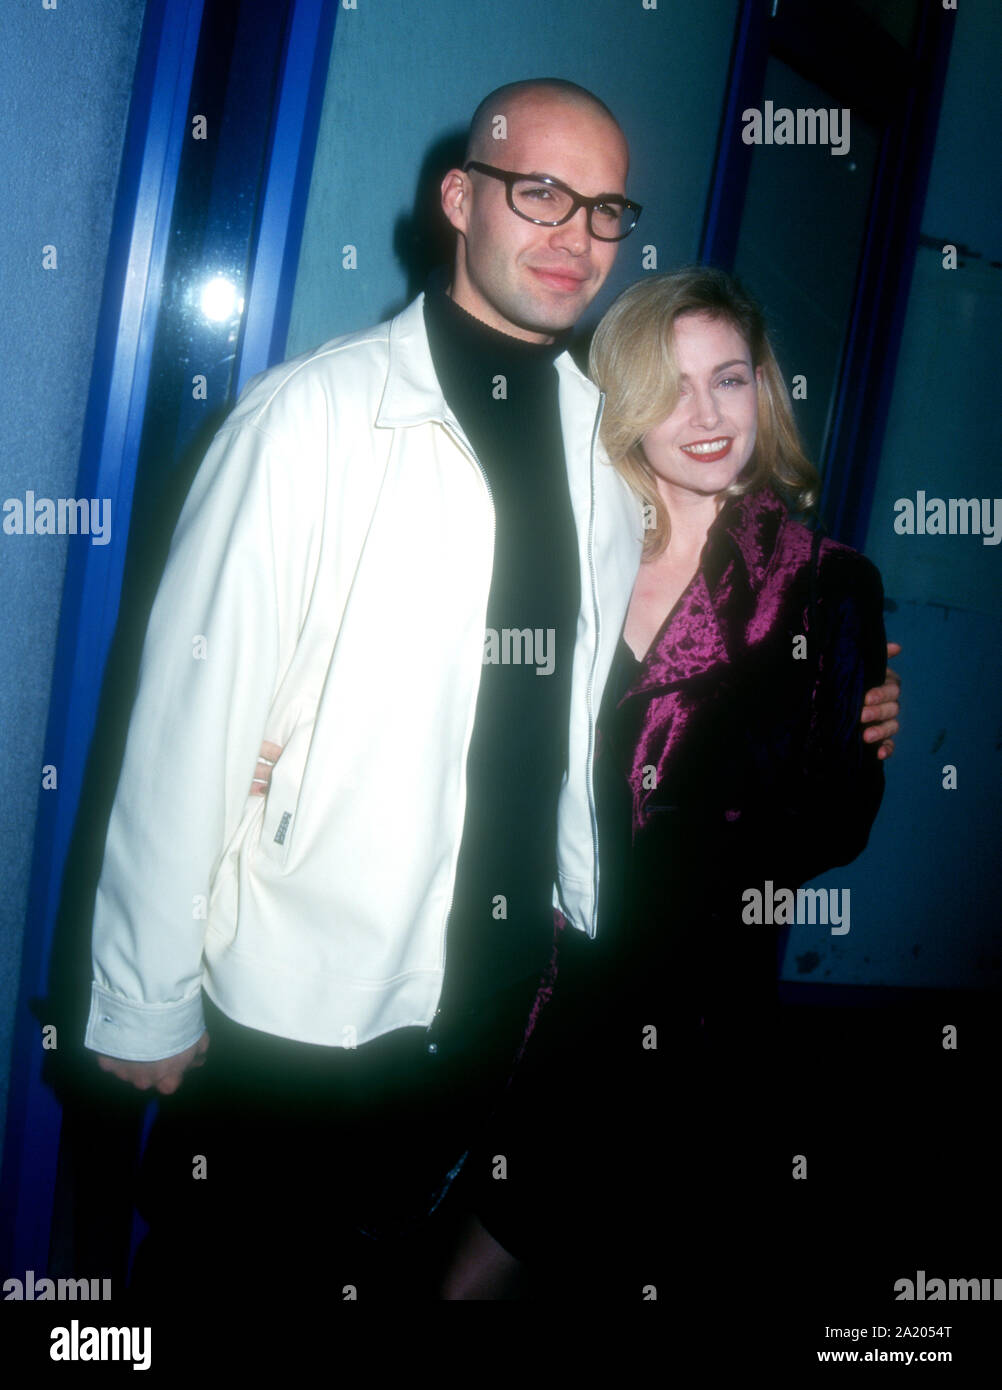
478 337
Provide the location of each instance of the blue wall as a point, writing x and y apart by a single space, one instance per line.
66 75
925 895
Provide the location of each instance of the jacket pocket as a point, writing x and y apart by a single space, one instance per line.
278 823
224 891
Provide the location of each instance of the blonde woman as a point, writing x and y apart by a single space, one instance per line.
732 765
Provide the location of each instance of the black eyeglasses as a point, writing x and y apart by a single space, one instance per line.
610 217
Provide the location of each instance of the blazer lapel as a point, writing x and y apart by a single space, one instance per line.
710 627
691 641
714 620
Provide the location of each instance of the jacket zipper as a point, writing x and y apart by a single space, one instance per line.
468 450
589 702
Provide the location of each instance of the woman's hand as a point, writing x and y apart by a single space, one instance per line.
266 760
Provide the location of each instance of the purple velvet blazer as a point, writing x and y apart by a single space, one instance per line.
736 749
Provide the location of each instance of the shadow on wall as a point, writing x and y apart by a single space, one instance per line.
422 238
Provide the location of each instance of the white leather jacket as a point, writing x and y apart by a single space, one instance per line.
326 590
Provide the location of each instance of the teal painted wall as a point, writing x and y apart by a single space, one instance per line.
66 77
925 895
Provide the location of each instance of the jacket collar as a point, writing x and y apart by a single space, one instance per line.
709 625
747 529
412 395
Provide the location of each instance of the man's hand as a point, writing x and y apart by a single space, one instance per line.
266 760
881 709
165 1075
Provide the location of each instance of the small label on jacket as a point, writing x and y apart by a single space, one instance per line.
283 826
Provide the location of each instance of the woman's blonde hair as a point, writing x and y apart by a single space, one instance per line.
633 361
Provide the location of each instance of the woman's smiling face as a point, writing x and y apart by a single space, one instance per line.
703 445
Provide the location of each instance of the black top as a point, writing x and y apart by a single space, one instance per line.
504 392
614 810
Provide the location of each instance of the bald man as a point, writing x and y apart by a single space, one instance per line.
409 568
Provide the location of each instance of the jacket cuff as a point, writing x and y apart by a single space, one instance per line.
118 1027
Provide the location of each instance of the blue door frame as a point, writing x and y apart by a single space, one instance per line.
903 92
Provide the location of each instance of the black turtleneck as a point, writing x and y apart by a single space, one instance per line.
503 391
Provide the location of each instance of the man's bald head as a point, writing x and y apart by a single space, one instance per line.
522 275
527 98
